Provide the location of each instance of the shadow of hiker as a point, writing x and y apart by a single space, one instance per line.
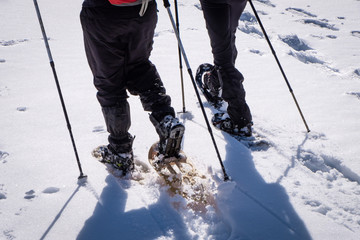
111 221
253 208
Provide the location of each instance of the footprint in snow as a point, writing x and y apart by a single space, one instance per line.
9 234
295 42
51 190
331 36
2 193
7 43
267 3
355 33
3 156
357 72
251 30
318 206
255 51
30 195
300 12
2 196
98 129
320 23
248 17
307 58
301 52
328 166
356 94
21 109
2 60
198 6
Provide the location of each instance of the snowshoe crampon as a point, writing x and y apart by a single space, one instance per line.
205 75
182 178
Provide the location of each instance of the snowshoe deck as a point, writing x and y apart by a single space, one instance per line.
182 178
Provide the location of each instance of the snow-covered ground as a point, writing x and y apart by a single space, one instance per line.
306 186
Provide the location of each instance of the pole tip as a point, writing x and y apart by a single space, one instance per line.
82 179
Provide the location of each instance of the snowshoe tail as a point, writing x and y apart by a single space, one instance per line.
182 178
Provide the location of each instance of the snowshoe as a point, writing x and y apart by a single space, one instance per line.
245 135
208 82
179 173
223 122
123 162
124 166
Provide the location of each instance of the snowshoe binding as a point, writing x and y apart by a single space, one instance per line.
123 163
223 122
245 135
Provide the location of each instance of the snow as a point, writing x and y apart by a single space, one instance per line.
305 186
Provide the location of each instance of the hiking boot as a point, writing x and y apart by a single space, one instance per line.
171 132
120 161
223 122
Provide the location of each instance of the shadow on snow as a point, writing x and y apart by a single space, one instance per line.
255 209
110 221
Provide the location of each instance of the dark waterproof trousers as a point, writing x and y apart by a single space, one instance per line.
118 43
222 17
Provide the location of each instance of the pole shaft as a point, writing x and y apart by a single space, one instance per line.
52 64
180 59
279 64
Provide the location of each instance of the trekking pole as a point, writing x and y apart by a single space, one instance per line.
167 6
180 59
52 64
278 62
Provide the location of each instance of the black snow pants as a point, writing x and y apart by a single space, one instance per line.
222 17
118 43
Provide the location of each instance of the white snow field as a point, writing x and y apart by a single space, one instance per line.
305 186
